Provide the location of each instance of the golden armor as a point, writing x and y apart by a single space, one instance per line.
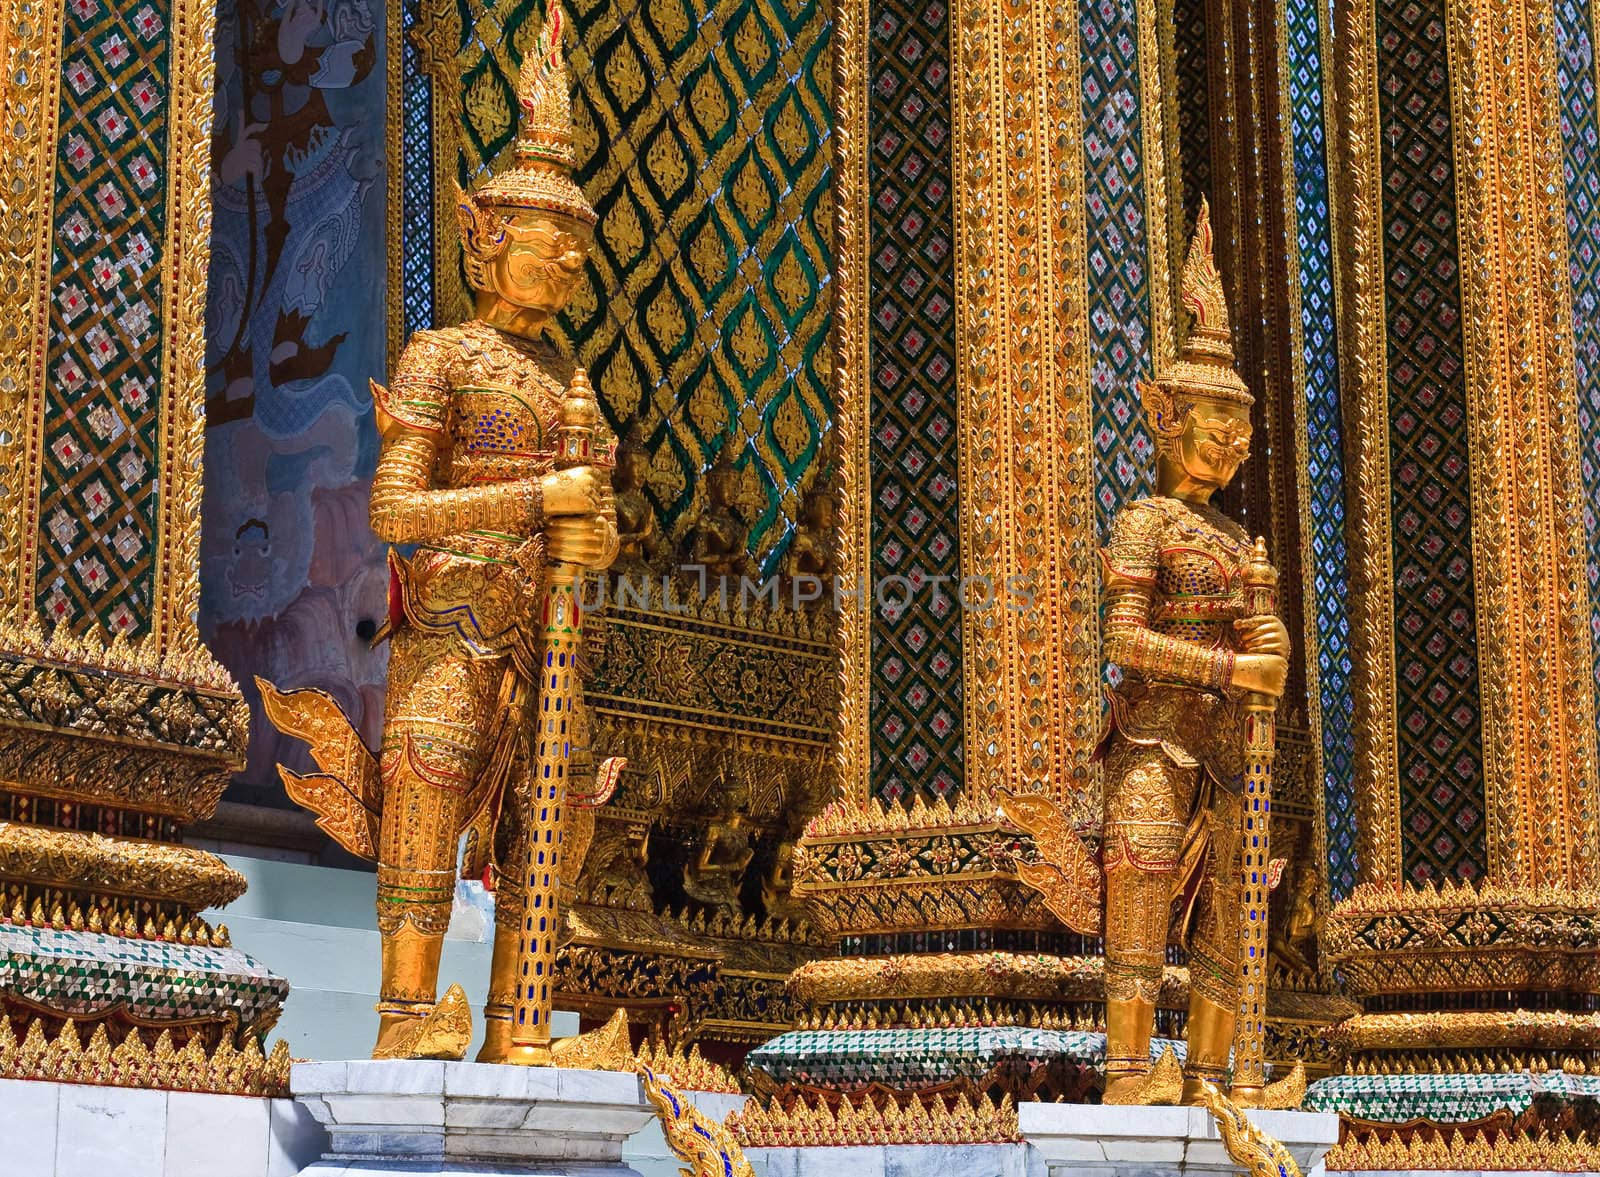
1179 630
468 475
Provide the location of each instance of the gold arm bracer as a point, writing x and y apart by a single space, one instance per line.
1133 645
405 508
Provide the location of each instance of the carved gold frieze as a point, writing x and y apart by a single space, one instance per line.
709 978
95 864
874 867
1003 976
1475 1149
87 721
109 690
688 1069
714 668
222 1070
935 1120
1469 1031
1460 937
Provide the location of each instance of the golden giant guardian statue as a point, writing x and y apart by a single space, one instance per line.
1195 655
472 424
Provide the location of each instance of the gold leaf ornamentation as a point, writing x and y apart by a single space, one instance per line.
625 74
790 428
665 319
750 342
791 284
665 161
486 107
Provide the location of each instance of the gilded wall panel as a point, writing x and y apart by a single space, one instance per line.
1440 766
1534 639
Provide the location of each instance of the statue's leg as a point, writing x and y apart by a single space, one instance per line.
436 721
508 905
1143 840
1214 953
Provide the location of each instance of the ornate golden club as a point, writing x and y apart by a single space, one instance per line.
1249 1042
559 694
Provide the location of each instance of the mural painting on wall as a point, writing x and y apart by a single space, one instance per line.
293 581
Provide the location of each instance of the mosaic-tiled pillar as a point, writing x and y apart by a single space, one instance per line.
1322 500
1473 664
954 386
1039 224
117 728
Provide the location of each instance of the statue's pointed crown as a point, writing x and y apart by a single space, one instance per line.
545 95
540 173
1205 364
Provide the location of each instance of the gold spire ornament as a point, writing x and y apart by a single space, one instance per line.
539 176
1204 370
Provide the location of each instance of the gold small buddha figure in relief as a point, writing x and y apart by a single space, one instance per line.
639 542
811 550
716 542
1186 656
467 474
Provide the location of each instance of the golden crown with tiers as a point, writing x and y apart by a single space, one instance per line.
539 176
1204 370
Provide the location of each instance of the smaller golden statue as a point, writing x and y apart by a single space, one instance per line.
1188 746
1294 942
811 550
639 543
717 874
716 542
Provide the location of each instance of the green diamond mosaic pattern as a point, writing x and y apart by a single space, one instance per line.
103 363
924 1058
1443 1099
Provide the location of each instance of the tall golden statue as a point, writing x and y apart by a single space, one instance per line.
469 474
1193 655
